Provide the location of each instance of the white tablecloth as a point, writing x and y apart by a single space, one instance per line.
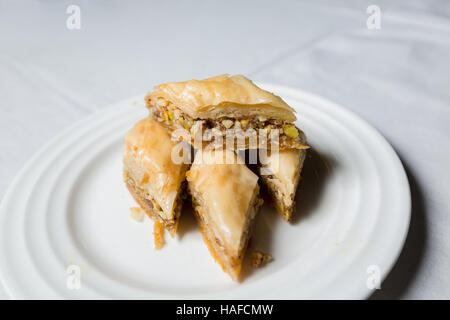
397 78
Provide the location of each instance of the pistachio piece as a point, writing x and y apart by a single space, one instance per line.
291 131
156 205
184 123
227 123
168 116
244 123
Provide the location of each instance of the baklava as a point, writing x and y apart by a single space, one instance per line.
151 175
225 197
280 173
225 110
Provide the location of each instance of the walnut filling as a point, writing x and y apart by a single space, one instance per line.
174 118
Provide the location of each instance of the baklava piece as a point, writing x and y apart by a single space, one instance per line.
225 196
280 173
153 179
210 111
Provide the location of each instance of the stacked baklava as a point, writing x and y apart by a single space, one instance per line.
217 117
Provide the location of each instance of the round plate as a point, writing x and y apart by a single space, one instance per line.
65 219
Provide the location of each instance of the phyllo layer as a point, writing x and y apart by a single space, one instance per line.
280 173
154 179
225 196
224 106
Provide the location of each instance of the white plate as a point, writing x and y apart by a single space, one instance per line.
69 206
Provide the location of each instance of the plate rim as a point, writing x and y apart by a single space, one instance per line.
393 154
302 95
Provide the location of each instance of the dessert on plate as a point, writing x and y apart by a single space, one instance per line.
280 173
220 117
225 197
153 179
212 110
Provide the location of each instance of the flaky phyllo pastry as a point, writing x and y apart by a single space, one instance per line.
220 117
225 110
152 177
280 173
226 200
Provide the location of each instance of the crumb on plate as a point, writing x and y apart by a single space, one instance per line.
259 259
158 232
137 214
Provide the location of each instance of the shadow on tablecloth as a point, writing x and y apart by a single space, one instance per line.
405 269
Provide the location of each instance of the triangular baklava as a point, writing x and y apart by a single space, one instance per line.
280 173
154 177
226 111
225 196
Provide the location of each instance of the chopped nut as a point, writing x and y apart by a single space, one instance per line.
291 131
244 123
199 211
227 123
259 259
162 102
137 214
168 116
156 205
184 123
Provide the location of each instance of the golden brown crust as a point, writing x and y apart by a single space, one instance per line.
280 174
232 96
148 159
225 196
227 188
233 269
229 263
146 204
